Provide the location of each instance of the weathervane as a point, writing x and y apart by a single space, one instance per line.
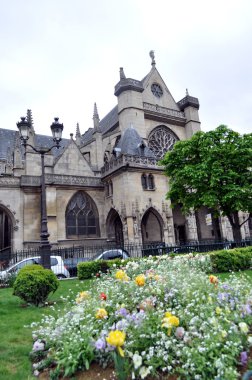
152 55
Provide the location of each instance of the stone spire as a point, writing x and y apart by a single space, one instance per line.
122 75
30 119
96 120
78 134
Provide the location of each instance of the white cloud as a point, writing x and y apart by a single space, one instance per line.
59 57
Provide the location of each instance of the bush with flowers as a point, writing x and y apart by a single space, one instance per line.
150 317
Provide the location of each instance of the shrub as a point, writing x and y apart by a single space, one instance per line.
33 285
231 260
88 269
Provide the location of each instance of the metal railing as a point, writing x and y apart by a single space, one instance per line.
71 256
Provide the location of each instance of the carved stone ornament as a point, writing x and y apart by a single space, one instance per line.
161 140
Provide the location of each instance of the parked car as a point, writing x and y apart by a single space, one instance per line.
57 266
110 254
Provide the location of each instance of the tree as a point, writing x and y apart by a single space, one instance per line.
212 169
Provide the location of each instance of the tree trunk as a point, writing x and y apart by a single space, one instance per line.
237 232
236 227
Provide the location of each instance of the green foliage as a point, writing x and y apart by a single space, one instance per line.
33 285
231 260
30 267
89 269
212 169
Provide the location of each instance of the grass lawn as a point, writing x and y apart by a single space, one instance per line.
16 341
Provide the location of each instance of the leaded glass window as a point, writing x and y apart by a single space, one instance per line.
144 181
151 182
81 217
156 89
161 140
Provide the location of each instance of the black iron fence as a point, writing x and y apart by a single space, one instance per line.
64 260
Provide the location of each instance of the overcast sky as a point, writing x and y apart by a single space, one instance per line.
58 57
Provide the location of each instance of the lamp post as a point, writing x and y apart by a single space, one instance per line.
24 130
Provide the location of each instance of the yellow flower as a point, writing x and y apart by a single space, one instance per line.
140 280
157 277
170 321
121 275
82 296
101 314
218 310
116 338
167 314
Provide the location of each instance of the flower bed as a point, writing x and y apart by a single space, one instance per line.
151 317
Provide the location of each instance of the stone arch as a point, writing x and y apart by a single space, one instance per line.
152 226
161 140
7 222
114 227
82 218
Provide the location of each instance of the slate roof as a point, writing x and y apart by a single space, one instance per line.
130 144
9 137
107 123
7 141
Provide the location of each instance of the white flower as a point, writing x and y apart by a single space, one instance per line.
144 371
36 373
243 327
250 340
38 346
137 360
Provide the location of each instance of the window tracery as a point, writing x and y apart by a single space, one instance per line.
81 217
161 140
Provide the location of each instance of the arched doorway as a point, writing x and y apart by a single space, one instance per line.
5 231
114 228
152 227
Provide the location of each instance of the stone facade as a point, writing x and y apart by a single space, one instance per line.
105 184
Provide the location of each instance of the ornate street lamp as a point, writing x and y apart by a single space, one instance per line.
24 129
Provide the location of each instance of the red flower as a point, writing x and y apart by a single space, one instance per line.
98 275
103 296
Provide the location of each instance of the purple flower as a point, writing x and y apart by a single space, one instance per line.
243 358
100 344
122 312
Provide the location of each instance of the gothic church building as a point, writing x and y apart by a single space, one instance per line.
106 184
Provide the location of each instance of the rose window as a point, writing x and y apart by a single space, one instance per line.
161 140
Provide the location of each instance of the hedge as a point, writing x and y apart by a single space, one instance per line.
231 260
89 269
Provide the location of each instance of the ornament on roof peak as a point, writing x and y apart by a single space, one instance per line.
152 55
187 92
122 75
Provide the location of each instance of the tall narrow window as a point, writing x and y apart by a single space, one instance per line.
144 181
81 217
151 182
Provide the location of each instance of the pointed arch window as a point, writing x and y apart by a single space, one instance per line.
82 217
